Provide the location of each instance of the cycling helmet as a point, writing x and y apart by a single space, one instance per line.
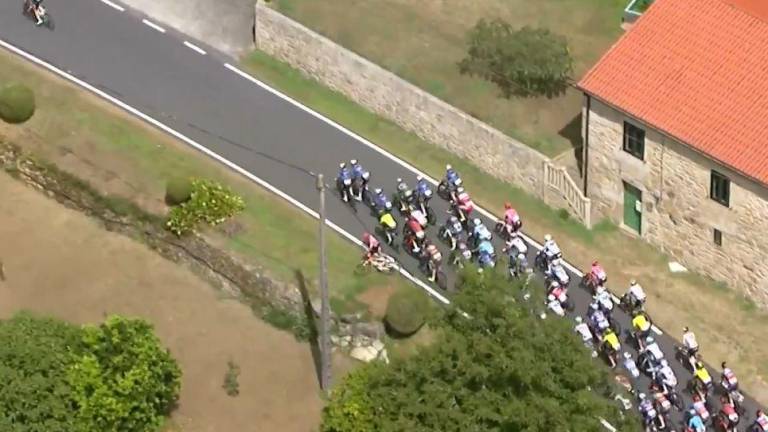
649 340
366 175
454 219
699 365
366 237
342 165
722 365
685 329
477 221
377 191
548 237
578 320
593 306
399 180
641 396
507 205
627 355
447 167
759 413
664 363
419 178
632 282
551 297
353 162
554 284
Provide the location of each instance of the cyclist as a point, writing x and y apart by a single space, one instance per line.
372 245
728 379
761 422
695 423
404 194
431 259
480 232
664 375
359 173
380 201
583 330
460 254
650 355
636 295
344 182
35 8
646 409
702 377
388 225
452 230
452 178
512 221
611 345
690 345
597 275
463 203
642 326
422 189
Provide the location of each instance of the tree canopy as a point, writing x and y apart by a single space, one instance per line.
524 62
17 103
502 370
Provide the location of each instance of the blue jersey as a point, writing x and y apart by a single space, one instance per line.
485 258
344 174
485 247
380 200
696 423
451 176
357 171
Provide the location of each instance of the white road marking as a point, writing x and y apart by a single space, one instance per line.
195 48
388 155
153 25
113 5
431 291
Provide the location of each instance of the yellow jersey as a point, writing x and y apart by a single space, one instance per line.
703 375
612 340
640 323
388 221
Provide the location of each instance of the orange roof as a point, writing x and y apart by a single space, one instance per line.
698 71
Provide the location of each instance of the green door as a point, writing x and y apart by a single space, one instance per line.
633 207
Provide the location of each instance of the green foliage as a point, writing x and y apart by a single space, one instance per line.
125 381
231 385
17 103
178 190
502 370
210 203
524 62
294 322
351 408
406 311
35 354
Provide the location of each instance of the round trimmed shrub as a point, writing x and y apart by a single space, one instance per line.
178 191
406 312
17 103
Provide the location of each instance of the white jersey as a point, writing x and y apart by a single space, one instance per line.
655 351
689 340
583 330
551 249
668 375
637 292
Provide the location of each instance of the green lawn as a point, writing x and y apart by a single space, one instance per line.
121 156
422 41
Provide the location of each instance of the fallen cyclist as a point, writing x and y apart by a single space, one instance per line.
372 245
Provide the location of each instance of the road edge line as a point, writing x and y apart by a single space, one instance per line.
168 130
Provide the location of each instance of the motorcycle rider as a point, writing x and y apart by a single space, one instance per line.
636 295
373 247
691 346
345 182
431 259
404 194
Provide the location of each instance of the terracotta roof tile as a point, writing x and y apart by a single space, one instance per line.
697 70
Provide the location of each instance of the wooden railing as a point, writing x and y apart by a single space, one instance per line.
557 178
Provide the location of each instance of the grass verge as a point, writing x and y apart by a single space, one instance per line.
679 300
129 162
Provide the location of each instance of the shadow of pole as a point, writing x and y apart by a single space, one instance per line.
311 316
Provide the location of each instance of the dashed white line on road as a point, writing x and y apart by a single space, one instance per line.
195 48
113 5
153 25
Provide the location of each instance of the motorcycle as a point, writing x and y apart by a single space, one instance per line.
43 11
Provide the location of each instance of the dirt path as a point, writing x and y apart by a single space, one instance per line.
60 262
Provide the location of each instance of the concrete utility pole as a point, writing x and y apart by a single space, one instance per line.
325 305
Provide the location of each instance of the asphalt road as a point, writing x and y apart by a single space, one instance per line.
196 95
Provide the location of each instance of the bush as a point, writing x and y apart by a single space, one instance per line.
17 103
35 355
126 381
178 190
406 312
231 385
350 408
209 203
525 62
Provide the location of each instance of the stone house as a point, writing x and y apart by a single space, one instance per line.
675 130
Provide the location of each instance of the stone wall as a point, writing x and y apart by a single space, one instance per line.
678 215
408 106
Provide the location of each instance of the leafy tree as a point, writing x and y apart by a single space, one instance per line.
125 381
406 312
502 370
524 62
17 103
35 354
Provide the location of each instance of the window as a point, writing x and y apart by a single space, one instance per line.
720 188
634 140
718 237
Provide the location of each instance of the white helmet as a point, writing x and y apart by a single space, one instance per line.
649 340
593 306
342 165
548 237
419 178
578 320
632 282
627 355
641 396
353 161
554 284
477 221
447 167
551 297
366 175
399 180
377 191
664 363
